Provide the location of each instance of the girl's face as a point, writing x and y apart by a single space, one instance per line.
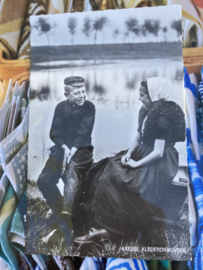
144 97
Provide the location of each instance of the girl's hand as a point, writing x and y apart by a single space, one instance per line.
132 164
125 159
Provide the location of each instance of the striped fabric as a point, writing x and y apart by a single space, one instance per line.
17 228
113 264
191 123
201 88
194 165
4 183
197 185
110 4
91 263
194 82
6 214
12 15
128 264
11 145
35 7
12 197
10 202
200 123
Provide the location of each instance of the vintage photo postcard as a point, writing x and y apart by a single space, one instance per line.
107 163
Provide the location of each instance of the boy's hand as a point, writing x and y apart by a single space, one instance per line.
72 153
65 157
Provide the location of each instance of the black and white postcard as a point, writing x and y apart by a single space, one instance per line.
107 163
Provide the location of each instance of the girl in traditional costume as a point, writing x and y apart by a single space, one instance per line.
126 188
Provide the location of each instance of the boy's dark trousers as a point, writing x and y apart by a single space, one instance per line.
72 178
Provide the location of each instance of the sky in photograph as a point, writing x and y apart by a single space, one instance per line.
60 35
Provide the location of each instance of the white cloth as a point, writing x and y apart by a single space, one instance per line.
159 88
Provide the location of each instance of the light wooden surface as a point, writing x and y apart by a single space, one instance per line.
11 68
17 70
193 60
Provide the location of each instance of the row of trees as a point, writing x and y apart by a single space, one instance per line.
94 26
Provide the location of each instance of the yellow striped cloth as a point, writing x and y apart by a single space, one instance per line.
12 15
35 7
113 4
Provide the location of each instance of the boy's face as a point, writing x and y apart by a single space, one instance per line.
77 96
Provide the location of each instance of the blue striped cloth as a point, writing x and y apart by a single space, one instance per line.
113 264
201 88
200 119
194 158
131 264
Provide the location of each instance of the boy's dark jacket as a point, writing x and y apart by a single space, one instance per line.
72 125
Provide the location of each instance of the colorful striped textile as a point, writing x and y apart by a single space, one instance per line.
199 116
191 122
11 145
12 15
100 263
4 183
34 8
128 264
6 214
110 4
194 82
201 91
13 201
193 165
197 185
9 205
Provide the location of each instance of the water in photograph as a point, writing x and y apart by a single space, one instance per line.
113 86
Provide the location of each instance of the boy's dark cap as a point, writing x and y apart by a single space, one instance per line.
75 81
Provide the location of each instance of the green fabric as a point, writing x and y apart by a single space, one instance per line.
17 224
159 265
6 214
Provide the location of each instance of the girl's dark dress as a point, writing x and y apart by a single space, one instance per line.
125 199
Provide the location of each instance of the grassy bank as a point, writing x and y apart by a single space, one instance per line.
39 227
